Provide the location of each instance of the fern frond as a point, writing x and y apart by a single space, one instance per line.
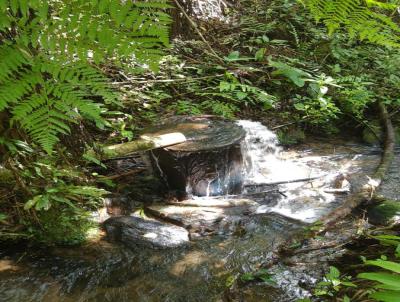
358 18
47 74
13 90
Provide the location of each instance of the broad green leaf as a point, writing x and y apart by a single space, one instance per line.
386 296
296 75
385 278
389 265
333 272
43 203
260 54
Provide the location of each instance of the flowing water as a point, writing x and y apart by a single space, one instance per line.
202 271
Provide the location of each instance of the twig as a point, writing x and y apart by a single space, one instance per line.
285 181
264 192
288 124
124 174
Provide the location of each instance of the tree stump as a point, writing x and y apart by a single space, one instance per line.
209 163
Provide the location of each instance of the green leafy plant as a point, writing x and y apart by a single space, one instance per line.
333 283
387 282
48 77
386 286
260 275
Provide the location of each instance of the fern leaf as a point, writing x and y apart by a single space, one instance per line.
358 18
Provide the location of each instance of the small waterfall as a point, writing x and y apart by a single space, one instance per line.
260 152
262 160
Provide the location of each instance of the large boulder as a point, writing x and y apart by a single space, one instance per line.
136 231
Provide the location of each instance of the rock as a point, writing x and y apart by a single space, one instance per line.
203 220
136 231
384 213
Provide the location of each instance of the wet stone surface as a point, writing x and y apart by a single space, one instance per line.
136 231
203 220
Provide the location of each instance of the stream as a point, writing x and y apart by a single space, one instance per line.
239 243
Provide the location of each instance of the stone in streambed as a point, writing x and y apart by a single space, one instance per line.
201 219
135 231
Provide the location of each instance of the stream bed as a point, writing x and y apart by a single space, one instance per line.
203 270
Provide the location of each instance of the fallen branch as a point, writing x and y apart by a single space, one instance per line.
214 203
185 80
337 191
284 182
264 192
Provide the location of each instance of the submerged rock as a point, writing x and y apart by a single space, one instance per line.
135 231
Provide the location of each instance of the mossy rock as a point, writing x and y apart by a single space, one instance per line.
397 133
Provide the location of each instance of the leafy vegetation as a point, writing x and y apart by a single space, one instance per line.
52 82
76 72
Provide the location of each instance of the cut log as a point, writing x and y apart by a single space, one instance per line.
209 163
